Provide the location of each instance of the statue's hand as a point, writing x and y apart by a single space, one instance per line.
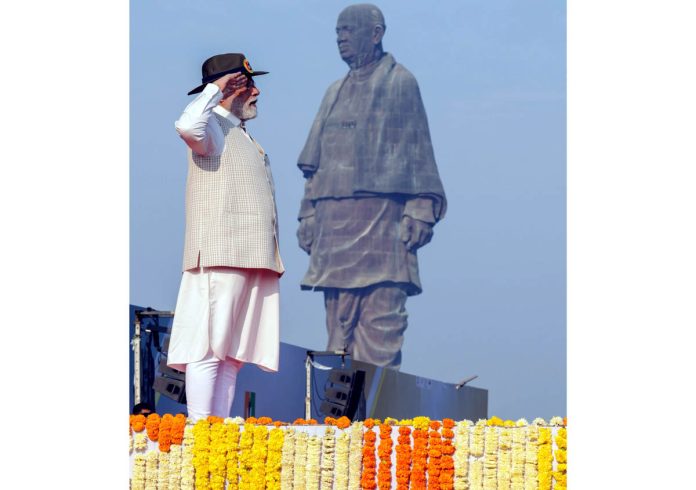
305 234
415 233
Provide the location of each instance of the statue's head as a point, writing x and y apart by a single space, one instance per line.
359 32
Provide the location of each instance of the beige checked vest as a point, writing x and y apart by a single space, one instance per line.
231 217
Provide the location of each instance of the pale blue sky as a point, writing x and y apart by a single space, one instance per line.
492 78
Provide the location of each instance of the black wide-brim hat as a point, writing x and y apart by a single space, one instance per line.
220 65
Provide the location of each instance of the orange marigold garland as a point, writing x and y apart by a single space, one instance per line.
165 433
178 425
152 426
384 451
434 455
367 481
420 453
137 422
403 458
446 478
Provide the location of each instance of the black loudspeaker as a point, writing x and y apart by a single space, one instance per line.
343 395
169 382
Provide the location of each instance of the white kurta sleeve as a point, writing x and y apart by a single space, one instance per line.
198 128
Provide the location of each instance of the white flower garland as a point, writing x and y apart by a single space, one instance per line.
342 452
187 471
328 444
505 459
530 467
313 474
163 472
141 441
355 458
300 465
476 450
287 458
518 458
151 465
138 478
175 467
490 465
461 455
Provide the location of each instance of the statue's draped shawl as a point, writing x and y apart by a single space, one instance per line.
394 154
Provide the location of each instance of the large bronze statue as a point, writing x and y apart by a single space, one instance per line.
372 194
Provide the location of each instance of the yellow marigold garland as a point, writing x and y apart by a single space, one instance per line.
403 458
217 459
246 442
490 462
287 459
341 466
232 435
561 457
461 456
384 452
446 478
313 475
367 480
201 454
544 458
355 456
531 481
328 445
300 466
276 438
505 458
259 451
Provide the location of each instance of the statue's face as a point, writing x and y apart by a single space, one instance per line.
354 36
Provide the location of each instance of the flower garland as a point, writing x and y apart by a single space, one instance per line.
355 457
201 454
505 459
287 458
420 452
560 475
174 467
518 458
138 478
434 455
165 433
490 463
476 450
447 461
130 440
246 442
276 438
231 430
531 481
178 426
367 480
461 456
300 466
342 452
259 452
163 471
187 470
141 442
137 422
151 463
384 476
217 459
403 458
152 426
544 458
328 445
313 475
